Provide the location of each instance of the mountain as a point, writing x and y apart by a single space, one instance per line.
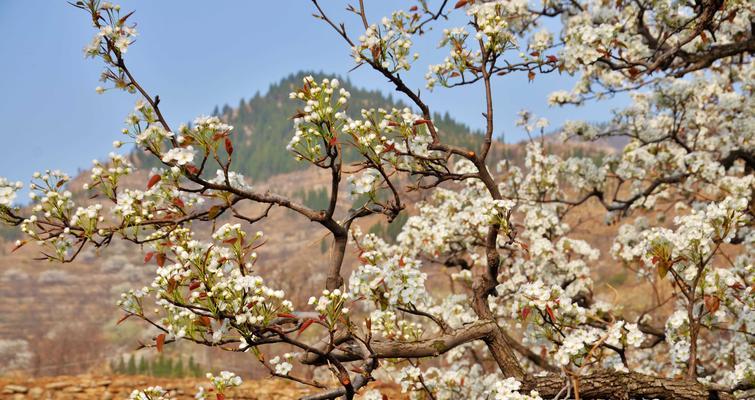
263 126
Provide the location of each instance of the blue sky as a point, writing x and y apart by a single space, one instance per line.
196 55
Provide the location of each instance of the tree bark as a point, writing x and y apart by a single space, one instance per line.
613 385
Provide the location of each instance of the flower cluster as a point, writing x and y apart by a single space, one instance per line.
150 393
107 176
332 306
461 380
322 118
387 324
389 44
179 156
206 133
367 182
460 60
8 191
389 281
282 367
224 380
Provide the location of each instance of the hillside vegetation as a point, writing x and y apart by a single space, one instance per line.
263 126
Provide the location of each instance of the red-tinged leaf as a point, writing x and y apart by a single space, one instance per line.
375 50
187 141
286 315
454 74
552 59
153 181
18 246
535 54
712 303
123 318
531 76
178 202
461 3
231 241
228 146
220 396
305 325
192 169
160 342
401 262
550 313
194 284
525 312
160 259
413 8
393 123
125 17
148 256
333 141
204 321
633 72
203 295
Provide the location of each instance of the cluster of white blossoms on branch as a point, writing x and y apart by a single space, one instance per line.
332 306
150 393
115 31
8 191
387 276
219 385
461 380
389 43
319 122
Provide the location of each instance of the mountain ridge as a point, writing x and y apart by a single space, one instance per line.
263 127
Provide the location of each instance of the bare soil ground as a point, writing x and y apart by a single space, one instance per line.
108 387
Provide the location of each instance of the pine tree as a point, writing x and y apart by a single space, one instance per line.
168 371
194 368
143 366
178 369
158 366
131 368
121 369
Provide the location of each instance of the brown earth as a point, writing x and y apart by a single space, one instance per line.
108 387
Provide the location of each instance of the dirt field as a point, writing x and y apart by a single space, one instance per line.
119 387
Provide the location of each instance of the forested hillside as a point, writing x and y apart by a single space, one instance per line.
263 126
